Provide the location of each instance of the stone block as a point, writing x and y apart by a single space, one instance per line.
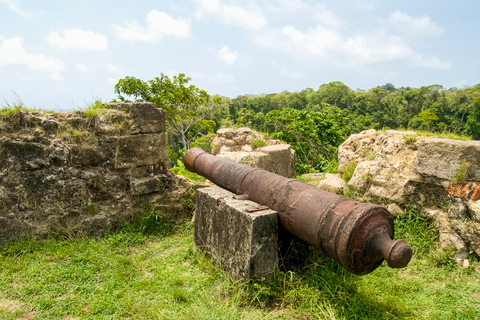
139 150
28 155
242 243
280 159
147 118
442 158
146 185
87 155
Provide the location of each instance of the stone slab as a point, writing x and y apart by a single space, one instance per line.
243 244
442 158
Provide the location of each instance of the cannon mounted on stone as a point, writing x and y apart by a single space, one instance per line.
357 235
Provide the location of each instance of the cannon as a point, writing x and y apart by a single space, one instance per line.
357 235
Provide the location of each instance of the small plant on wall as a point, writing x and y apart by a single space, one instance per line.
462 173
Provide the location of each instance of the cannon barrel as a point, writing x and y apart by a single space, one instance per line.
357 235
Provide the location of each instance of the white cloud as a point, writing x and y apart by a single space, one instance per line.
225 54
286 73
364 5
414 26
159 24
332 40
82 67
247 17
378 48
318 41
78 39
13 6
115 69
431 62
327 17
12 52
56 76
112 80
218 77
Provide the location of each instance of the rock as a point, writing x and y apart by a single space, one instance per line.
332 182
235 140
442 158
395 210
395 168
383 164
145 185
235 145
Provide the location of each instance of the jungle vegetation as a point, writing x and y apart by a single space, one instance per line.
314 122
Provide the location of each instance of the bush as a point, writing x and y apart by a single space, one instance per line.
258 143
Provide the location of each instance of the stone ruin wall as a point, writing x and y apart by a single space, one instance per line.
80 173
402 169
236 145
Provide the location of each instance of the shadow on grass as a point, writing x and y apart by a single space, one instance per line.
324 289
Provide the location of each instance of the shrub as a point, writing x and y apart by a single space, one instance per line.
348 171
258 143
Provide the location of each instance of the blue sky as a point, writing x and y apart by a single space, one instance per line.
61 55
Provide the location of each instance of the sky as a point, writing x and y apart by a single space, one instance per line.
63 55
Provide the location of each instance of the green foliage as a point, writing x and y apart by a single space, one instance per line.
349 170
92 208
69 133
95 109
204 141
410 138
182 171
428 117
472 126
431 108
462 173
443 135
258 143
186 107
10 110
315 136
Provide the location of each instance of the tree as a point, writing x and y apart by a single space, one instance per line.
186 107
335 93
315 136
473 121
428 117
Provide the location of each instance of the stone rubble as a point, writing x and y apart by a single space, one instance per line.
403 169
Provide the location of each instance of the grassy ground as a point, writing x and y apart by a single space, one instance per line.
145 272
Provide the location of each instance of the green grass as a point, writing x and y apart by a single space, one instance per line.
10 109
462 172
150 271
443 135
94 109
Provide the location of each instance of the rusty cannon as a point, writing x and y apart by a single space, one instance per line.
357 235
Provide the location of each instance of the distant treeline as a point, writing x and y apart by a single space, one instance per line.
431 108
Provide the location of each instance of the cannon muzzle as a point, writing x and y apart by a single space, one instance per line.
357 235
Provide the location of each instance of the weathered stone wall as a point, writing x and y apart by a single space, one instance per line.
405 169
83 172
